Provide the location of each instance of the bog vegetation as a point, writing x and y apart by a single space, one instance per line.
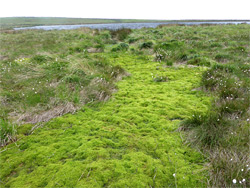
163 107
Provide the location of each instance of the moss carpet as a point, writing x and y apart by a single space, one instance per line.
129 141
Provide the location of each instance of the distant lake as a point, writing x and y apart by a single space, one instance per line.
114 26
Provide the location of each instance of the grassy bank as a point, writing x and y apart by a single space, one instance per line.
132 138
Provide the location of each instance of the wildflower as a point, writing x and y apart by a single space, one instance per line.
240 182
247 119
243 180
242 170
234 181
174 175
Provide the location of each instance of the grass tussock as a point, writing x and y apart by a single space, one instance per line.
223 131
7 132
120 34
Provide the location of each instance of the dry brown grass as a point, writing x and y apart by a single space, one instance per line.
48 115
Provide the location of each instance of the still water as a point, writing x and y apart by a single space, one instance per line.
114 26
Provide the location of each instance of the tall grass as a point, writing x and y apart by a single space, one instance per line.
7 132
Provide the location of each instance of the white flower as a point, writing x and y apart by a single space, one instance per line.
234 181
174 175
243 180
242 170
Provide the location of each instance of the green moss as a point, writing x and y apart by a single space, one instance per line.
128 141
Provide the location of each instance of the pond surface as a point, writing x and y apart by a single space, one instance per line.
114 26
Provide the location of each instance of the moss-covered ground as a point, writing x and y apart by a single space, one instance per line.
129 141
134 138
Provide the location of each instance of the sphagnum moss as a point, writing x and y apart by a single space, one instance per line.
132 139
128 141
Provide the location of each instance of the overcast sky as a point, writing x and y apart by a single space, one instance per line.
137 9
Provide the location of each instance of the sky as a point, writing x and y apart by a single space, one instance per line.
128 9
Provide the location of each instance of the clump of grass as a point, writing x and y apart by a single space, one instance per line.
160 54
132 40
7 132
199 61
120 47
169 63
161 79
120 34
221 57
146 45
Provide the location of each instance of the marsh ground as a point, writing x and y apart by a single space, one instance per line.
132 139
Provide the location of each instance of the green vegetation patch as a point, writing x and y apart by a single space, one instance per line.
130 139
